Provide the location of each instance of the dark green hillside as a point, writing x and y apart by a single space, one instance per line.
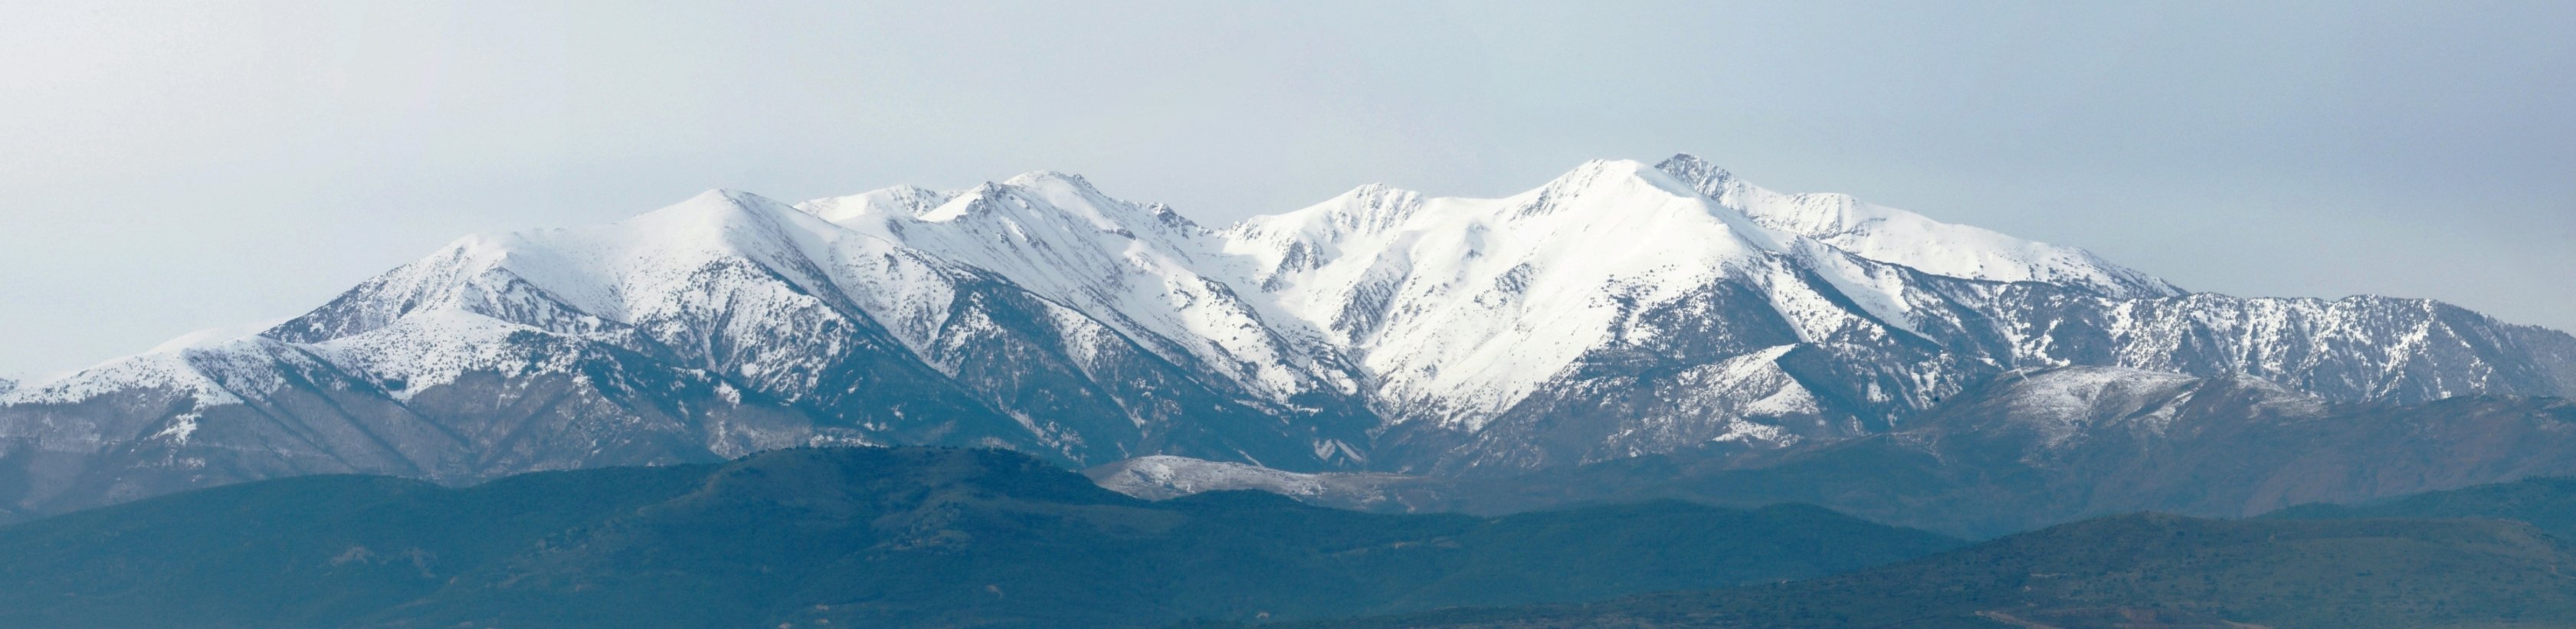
2143 570
859 537
303 551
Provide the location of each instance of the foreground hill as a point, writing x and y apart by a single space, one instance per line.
858 537
2143 570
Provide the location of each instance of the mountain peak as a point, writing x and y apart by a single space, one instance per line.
718 219
1618 176
1372 189
1370 206
1042 178
964 203
1708 178
1048 196
902 200
722 201
1605 169
730 198
1373 193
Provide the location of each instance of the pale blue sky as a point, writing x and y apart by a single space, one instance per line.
168 167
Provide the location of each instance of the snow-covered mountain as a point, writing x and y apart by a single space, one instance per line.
1621 309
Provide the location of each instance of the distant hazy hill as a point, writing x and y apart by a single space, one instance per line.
862 538
2143 570
2548 503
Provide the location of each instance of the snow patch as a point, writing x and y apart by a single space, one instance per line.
1161 477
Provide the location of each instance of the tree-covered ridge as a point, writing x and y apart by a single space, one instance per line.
860 537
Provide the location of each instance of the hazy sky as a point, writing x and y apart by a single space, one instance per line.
170 167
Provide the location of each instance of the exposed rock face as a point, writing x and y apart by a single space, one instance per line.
1620 310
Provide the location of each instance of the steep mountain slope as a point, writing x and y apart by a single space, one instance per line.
857 537
1617 311
2144 570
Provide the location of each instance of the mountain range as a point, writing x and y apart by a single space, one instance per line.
1622 310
